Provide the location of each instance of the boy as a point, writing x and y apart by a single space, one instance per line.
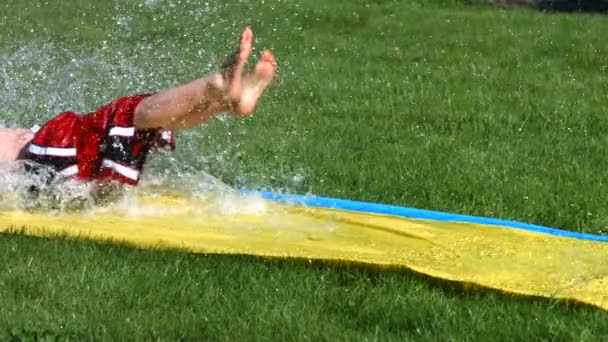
112 143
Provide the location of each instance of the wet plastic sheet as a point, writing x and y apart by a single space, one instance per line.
514 260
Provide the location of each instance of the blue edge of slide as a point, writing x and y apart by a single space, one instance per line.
326 202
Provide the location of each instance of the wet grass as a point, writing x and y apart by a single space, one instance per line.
435 105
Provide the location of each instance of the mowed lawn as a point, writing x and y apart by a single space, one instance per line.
430 104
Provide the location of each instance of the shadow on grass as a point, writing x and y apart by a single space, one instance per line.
569 6
451 287
594 6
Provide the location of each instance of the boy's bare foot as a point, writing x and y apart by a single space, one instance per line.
243 91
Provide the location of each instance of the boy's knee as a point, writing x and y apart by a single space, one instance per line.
216 82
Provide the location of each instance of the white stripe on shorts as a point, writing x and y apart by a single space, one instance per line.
52 151
122 169
122 131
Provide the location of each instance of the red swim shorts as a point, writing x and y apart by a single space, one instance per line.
102 145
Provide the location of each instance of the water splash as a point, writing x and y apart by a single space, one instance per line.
41 191
34 190
40 78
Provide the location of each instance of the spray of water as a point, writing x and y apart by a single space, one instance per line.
41 78
21 189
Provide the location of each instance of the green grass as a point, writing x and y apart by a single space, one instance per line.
430 104
114 292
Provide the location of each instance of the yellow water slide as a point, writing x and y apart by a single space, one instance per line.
506 255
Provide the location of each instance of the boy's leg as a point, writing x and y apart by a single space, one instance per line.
12 142
190 104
